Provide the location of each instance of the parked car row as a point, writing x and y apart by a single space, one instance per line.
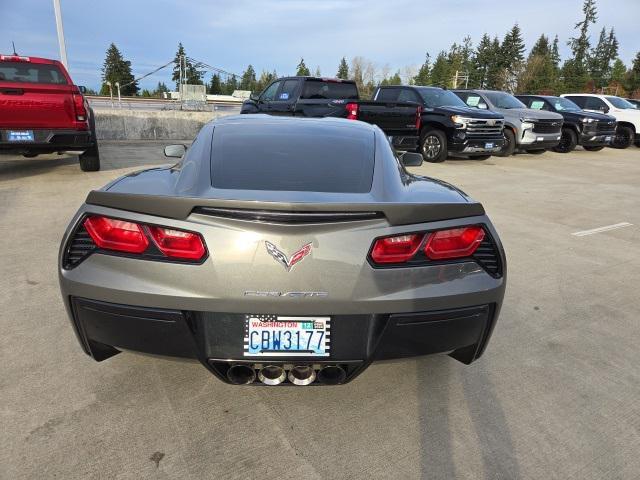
461 123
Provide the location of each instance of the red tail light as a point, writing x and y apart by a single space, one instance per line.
118 235
396 249
178 243
418 118
454 243
78 105
352 111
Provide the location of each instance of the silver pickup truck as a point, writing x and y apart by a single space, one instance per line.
531 131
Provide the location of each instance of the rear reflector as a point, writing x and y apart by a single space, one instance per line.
178 243
118 235
454 243
396 249
352 111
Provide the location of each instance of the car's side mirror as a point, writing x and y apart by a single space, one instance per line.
604 109
411 159
175 151
83 89
254 97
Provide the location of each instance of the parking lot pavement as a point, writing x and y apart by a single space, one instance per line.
556 395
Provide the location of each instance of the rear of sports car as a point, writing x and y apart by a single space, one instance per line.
271 276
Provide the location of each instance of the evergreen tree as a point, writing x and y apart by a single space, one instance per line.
440 72
618 72
178 65
159 90
395 79
190 72
575 70
512 57
317 72
215 87
424 74
632 78
343 70
302 69
605 52
539 75
230 85
248 79
265 79
117 69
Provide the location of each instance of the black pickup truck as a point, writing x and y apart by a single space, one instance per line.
330 97
593 131
448 125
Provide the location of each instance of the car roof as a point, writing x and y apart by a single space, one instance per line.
311 77
320 123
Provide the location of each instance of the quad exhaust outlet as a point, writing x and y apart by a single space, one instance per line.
241 374
303 374
272 375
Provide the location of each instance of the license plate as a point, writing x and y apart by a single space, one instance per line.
607 139
279 336
20 136
540 139
489 145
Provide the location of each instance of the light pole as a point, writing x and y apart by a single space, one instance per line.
108 83
119 99
60 29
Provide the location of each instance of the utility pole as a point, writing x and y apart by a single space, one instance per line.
60 29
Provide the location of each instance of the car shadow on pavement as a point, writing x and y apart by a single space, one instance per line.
460 411
14 167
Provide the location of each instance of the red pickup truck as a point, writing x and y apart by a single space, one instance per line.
42 111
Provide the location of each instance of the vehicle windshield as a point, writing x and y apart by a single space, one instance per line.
25 72
436 97
620 103
292 157
504 100
564 105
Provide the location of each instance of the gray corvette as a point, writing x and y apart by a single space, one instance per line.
283 251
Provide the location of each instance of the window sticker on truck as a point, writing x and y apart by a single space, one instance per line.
537 105
284 96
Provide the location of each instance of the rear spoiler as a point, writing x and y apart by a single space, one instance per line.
181 207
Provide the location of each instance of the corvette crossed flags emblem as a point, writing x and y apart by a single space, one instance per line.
282 259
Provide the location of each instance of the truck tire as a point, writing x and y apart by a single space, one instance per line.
624 137
593 148
509 143
90 158
433 146
568 141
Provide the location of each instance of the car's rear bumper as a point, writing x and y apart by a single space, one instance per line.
216 339
46 141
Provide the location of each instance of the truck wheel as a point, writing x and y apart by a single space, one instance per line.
90 159
480 157
593 148
624 137
509 143
433 146
537 151
568 141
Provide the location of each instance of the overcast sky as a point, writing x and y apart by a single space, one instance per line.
274 34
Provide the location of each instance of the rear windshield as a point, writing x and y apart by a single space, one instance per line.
320 89
284 156
25 72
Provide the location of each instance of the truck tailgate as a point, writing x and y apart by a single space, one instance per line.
28 105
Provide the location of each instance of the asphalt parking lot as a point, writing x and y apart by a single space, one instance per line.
556 395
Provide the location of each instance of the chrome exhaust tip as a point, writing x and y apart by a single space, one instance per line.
332 375
241 374
272 375
302 375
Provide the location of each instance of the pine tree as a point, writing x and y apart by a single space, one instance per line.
512 57
215 87
343 70
265 79
190 72
575 70
118 70
302 69
482 60
178 65
618 71
424 74
441 73
395 79
317 72
632 78
248 79
539 75
230 85
605 52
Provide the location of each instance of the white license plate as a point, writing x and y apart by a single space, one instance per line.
20 136
280 336
607 139
540 139
489 145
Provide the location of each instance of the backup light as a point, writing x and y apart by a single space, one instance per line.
117 235
352 111
178 243
397 249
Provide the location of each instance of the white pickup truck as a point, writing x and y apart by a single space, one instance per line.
625 113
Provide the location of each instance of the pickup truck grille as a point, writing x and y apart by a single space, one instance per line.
606 127
547 126
485 128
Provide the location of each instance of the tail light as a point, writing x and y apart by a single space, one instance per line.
418 118
178 243
130 237
118 235
439 245
352 111
78 105
398 249
454 243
